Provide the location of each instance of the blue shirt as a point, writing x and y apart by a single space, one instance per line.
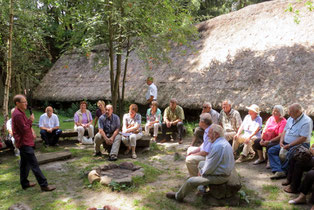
109 125
302 126
220 160
206 143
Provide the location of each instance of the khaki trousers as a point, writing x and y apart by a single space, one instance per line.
192 162
114 148
131 140
80 131
195 181
247 148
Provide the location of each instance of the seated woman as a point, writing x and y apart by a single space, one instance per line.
131 129
271 133
153 118
251 126
83 121
100 111
295 173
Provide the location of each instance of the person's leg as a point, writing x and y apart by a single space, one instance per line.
274 161
56 135
133 139
164 130
156 126
98 141
295 172
235 145
90 131
116 146
80 132
32 161
258 147
195 181
229 136
192 162
24 168
147 128
198 136
44 136
180 131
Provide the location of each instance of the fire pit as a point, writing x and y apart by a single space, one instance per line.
120 174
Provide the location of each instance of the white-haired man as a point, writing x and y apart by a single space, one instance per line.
216 169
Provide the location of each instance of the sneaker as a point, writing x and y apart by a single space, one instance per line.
134 156
258 161
113 158
278 175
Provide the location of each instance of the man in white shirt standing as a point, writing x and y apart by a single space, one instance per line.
49 127
151 94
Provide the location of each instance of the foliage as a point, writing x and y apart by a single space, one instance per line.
296 13
117 186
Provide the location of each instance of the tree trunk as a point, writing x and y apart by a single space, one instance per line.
124 76
9 67
111 67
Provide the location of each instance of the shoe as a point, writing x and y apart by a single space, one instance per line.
241 159
258 161
278 175
180 141
251 156
294 202
112 158
97 154
48 188
289 190
171 195
163 141
285 183
134 156
31 184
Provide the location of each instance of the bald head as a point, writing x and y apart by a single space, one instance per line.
109 110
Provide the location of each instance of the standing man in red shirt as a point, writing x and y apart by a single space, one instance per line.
24 139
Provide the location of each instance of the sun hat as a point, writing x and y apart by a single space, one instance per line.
253 108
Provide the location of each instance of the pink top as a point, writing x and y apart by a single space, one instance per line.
273 129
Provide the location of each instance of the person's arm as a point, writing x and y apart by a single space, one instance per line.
195 151
22 125
136 125
299 140
304 133
91 119
238 121
96 120
76 120
212 161
201 153
165 115
151 98
116 132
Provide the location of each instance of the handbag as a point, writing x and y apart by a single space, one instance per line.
302 153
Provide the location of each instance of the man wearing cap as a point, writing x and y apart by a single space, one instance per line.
199 132
151 94
297 131
49 127
230 120
251 126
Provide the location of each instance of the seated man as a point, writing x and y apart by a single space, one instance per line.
230 120
199 132
173 120
10 137
297 131
197 154
83 121
108 134
49 127
216 169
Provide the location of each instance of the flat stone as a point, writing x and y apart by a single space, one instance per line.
138 173
105 180
19 206
127 180
52 156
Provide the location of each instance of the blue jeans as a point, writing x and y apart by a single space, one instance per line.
50 138
274 161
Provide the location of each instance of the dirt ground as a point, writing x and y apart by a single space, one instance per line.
260 190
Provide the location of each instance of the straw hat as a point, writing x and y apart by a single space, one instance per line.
254 108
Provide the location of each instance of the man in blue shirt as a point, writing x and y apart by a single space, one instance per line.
109 126
197 154
216 169
297 131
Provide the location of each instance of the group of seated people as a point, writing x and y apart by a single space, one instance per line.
292 136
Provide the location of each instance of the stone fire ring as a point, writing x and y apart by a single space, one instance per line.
121 174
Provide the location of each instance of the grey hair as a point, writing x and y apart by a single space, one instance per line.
173 100
206 118
217 129
228 101
280 109
208 104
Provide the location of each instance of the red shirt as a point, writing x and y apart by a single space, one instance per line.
22 129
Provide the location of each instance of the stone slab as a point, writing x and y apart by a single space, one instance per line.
53 156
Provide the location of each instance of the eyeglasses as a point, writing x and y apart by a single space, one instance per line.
23 102
205 107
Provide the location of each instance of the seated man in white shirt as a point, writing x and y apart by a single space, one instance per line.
10 138
216 169
49 127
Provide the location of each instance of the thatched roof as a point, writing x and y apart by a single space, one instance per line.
255 55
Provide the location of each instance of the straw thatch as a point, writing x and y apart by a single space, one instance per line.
255 55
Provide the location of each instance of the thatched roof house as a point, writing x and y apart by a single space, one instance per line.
255 55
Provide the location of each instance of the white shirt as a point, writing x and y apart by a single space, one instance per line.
45 121
9 124
152 91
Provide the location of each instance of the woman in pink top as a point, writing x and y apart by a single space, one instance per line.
271 133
